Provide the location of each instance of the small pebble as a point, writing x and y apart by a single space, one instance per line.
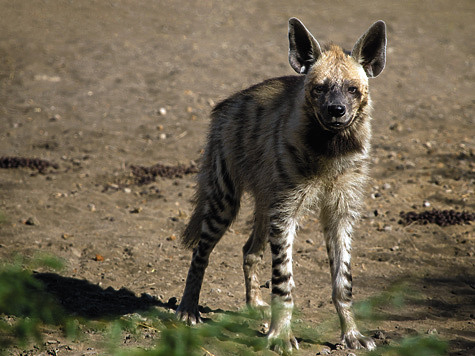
396 127
386 186
172 301
325 351
75 252
379 335
425 204
56 117
162 111
436 179
32 221
392 155
162 136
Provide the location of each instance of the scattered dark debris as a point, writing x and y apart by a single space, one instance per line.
145 175
33 163
439 217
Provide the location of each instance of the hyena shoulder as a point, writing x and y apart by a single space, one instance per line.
266 95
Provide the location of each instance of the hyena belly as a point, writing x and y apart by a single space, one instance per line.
292 142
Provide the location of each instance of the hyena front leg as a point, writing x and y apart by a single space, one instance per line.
338 217
281 235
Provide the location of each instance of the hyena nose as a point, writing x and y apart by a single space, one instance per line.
336 110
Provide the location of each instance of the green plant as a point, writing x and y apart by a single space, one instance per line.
25 306
414 346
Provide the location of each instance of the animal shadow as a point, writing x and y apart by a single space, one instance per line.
82 298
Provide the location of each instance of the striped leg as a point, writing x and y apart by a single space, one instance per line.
281 235
253 252
338 219
218 204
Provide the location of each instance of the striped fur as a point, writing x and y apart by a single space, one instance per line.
294 143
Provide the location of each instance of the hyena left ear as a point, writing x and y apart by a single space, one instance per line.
370 49
304 49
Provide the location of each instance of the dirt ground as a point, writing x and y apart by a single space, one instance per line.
99 86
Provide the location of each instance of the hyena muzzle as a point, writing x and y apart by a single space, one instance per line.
293 142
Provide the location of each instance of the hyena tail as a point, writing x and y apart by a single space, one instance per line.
217 203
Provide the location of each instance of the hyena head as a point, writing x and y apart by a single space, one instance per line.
336 83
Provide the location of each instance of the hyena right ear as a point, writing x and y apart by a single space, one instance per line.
304 49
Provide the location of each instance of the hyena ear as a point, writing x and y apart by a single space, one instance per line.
304 49
370 49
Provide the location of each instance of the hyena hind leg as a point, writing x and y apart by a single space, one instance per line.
253 252
188 309
216 209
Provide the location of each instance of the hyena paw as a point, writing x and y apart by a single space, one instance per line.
189 315
283 343
355 340
259 306
257 303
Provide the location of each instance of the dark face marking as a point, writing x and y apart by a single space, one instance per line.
335 104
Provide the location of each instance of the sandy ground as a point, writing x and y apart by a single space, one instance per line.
99 86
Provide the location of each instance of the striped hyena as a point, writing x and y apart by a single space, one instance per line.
292 142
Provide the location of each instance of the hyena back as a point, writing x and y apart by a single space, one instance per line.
292 142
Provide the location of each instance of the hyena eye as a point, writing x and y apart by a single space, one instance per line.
319 89
352 90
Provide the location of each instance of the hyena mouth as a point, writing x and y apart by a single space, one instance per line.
333 124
